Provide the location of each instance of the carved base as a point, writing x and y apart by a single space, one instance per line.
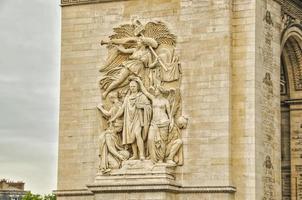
137 172
144 180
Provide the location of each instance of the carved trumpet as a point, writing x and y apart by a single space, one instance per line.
110 43
105 42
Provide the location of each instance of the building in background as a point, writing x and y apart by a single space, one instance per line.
10 190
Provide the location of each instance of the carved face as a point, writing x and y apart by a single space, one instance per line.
133 86
182 122
113 97
157 92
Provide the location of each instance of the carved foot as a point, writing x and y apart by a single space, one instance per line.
121 157
142 158
133 158
171 162
105 171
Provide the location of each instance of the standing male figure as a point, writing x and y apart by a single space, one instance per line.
137 113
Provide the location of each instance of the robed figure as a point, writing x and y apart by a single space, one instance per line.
137 112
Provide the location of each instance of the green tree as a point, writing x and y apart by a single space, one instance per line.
30 196
50 197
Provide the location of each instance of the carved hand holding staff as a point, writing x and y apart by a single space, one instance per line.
138 31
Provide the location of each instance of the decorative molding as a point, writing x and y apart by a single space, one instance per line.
295 58
292 101
163 188
79 192
268 18
80 2
291 10
95 188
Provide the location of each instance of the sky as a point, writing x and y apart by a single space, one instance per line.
29 92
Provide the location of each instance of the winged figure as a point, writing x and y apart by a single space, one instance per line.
134 50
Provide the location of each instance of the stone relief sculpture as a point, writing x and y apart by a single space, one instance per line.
161 123
136 110
141 78
111 151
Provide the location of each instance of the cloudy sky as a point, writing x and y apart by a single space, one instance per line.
29 92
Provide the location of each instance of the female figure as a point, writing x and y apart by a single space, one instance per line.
161 124
136 110
139 59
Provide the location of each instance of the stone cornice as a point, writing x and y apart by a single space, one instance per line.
80 2
79 192
95 188
290 7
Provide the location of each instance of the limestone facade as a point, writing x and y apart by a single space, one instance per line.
243 139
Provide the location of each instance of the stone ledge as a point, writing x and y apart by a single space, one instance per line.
79 192
162 188
94 188
141 176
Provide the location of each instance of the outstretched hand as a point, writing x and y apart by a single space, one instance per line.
137 79
100 105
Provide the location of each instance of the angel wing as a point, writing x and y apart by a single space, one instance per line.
155 30
123 31
112 67
160 32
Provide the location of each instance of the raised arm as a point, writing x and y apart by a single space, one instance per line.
103 111
168 109
144 90
124 40
124 50
118 114
150 63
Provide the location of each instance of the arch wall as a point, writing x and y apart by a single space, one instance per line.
291 108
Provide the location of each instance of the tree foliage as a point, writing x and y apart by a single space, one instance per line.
30 196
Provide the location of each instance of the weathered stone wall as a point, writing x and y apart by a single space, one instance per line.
243 99
204 38
285 152
255 111
230 56
268 147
